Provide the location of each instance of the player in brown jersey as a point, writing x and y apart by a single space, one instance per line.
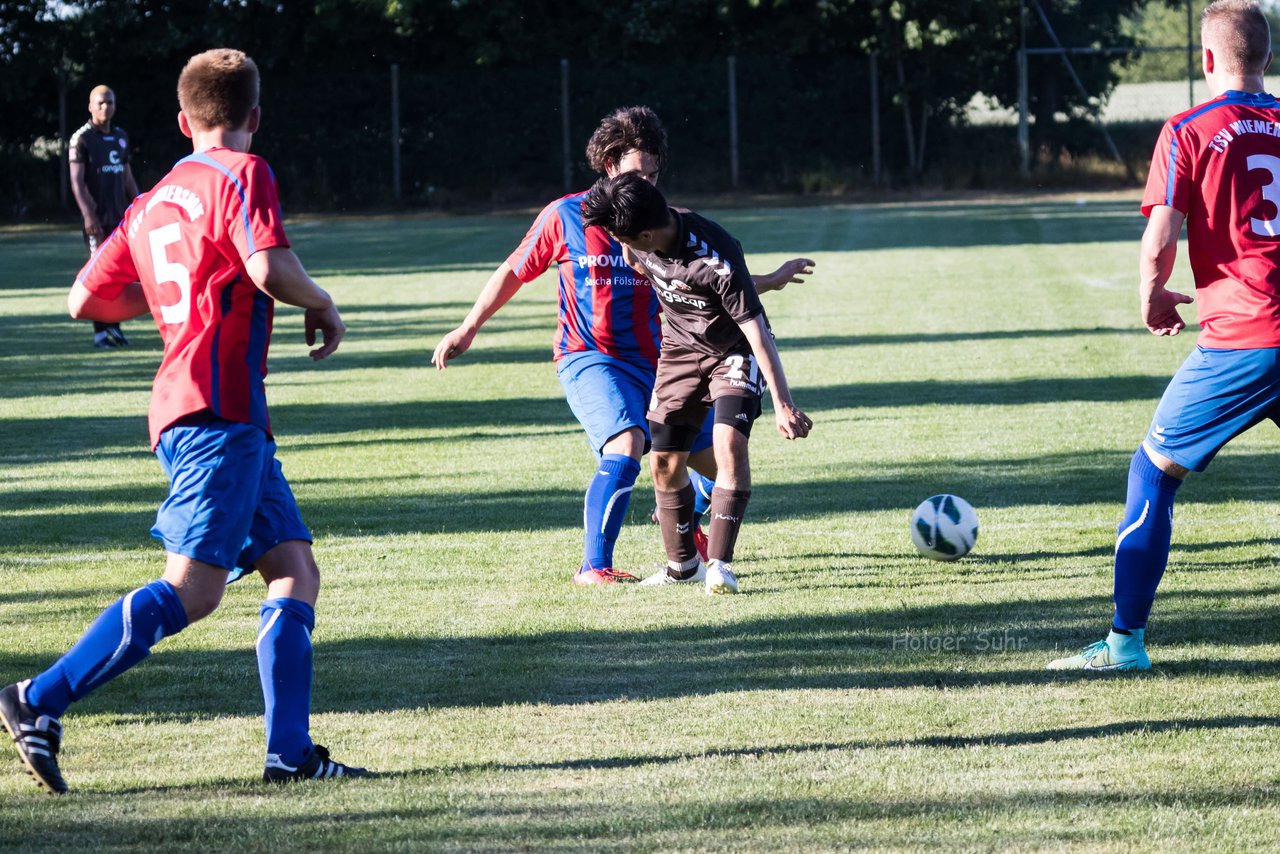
717 351
103 185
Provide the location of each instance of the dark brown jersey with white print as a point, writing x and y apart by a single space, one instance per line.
704 286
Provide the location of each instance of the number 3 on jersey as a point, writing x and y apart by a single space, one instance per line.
170 271
1270 193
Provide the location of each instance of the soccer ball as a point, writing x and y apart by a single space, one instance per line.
944 527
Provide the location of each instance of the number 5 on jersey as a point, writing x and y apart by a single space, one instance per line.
170 271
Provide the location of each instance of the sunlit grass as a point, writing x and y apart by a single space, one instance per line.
854 696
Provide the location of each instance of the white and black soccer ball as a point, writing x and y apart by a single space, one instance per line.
944 527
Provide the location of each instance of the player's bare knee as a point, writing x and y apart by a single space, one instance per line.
1165 464
198 600
628 443
199 585
704 462
290 571
667 469
732 461
201 605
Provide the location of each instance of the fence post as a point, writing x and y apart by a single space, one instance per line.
395 131
1024 132
733 122
564 124
1191 69
63 166
876 167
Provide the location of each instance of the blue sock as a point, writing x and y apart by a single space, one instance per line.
605 507
702 487
284 666
1142 548
122 636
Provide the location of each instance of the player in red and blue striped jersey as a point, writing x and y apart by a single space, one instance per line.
608 333
206 255
1216 168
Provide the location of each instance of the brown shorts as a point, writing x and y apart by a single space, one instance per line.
688 383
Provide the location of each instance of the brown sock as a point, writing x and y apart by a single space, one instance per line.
727 509
675 518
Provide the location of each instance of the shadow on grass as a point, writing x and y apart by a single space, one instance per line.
418 357
457 816
85 596
867 648
944 742
938 742
49 353
59 515
821 342
1052 390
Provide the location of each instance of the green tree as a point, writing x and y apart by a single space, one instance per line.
1164 24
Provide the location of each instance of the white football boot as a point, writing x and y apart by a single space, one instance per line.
664 576
720 578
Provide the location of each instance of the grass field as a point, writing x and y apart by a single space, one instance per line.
855 696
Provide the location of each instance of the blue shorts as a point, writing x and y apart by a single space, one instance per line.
609 396
1215 396
228 503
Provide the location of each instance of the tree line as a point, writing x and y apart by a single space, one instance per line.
325 65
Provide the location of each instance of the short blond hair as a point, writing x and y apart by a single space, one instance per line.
1239 31
218 88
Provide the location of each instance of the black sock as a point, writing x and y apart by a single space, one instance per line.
727 509
675 518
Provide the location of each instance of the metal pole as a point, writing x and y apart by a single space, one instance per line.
395 131
564 124
912 165
1024 130
876 166
1084 93
733 122
63 176
1191 71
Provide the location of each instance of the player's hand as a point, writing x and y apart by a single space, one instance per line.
92 227
1160 311
792 423
790 273
451 347
331 327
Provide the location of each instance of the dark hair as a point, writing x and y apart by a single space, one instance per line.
623 130
1240 29
218 89
625 205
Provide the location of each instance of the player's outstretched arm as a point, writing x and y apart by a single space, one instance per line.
278 273
792 422
1159 249
788 273
131 303
500 288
